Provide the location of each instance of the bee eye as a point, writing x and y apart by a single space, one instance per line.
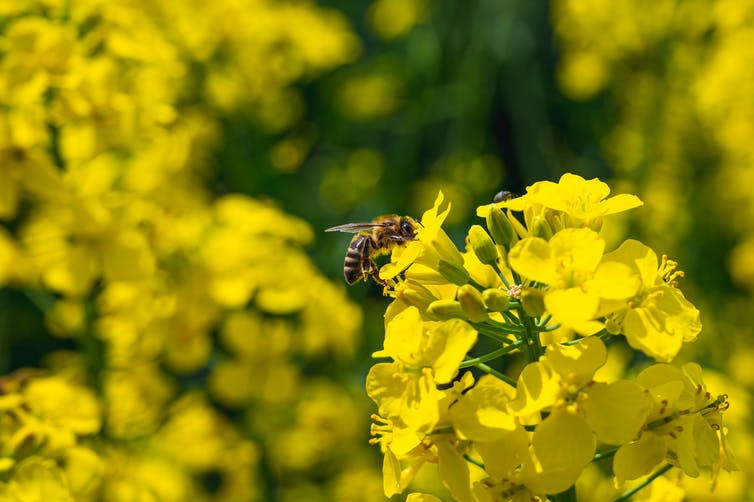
407 228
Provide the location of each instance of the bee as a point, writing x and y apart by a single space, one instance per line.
371 240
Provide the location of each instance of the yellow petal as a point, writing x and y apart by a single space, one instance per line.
613 281
402 337
400 259
579 250
454 471
645 332
636 459
481 414
421 497
577 363
637 257
563 445
504 455
571 307
537 388
619 203
391 474
533 259
616 411
456 337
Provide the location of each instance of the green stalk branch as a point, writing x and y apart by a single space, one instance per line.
490 332
492 355
501 275
511 318
496 373
628 494
604 454
543 321
511 329
472 461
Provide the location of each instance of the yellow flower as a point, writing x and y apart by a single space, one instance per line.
437 444
579 202
561 381
36 480
480 414
571 264
425 354
657 319
683 426
64 405
432 249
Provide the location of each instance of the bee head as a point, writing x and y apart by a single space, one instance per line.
408 227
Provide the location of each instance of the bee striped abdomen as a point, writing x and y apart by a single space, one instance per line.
378 237
358 252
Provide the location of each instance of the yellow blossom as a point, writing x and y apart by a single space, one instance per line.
579 202
657 319
571 264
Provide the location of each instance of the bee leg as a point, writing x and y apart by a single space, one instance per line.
370 268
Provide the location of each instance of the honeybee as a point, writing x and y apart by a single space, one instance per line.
371 240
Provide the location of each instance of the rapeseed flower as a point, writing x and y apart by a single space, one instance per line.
424 354
657 319
571 264
526 438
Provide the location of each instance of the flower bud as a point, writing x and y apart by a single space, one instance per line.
455 274
482 245
500 228
533 302
496 299
443 310
415 295
539 227
555 220
472 303
612 327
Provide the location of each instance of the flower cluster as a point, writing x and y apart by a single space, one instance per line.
189 314
541 288
678 125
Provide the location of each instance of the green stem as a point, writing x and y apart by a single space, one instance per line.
496 373
604 454
492 355
628 494
472 461
511 329
530 336
502 276
551 327
511 318
567 496
491 333
476 284
543 321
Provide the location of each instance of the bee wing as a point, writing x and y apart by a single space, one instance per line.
354 228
